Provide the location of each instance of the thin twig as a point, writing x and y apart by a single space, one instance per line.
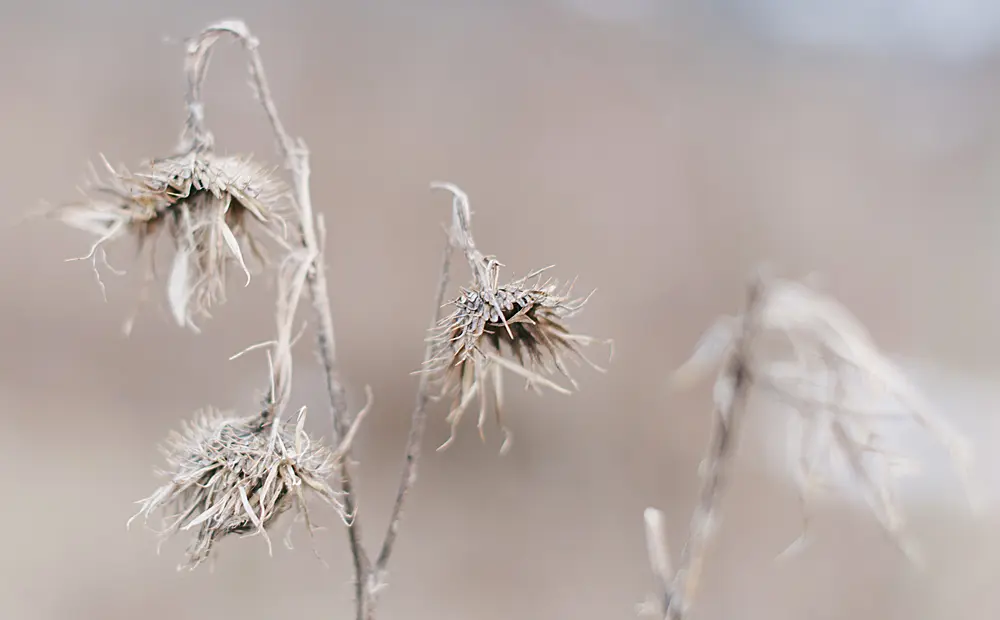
730 406
296 156
417 425
721 449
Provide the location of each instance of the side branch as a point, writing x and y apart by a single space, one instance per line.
417 425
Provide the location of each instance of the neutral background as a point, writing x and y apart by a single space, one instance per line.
655 150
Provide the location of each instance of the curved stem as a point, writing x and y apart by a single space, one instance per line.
296 157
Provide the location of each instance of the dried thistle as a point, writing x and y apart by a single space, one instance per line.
237 476
207 205
519 327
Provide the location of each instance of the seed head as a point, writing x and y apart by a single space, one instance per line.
525 322
236 476
206 204
519 327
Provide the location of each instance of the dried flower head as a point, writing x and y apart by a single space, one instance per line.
236 476
519 326
205 202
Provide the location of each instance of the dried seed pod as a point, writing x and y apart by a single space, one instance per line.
236 476
205 203
467 347
519 327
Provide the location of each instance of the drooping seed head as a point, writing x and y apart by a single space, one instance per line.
519 327
236 476
206 203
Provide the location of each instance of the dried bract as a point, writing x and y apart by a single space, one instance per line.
525 322
519 327
236 476
209 205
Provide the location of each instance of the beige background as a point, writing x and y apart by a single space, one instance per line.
658 155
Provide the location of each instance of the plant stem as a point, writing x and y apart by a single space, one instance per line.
363 594
417 425
296 157
703 522
727 414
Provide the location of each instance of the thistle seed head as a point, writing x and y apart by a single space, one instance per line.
520 327
236 476
208 205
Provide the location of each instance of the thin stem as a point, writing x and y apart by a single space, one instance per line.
484 270
704 520
417 425
730 407
296 157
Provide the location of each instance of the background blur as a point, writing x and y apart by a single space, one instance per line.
657 149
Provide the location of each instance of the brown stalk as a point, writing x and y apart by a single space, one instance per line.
296 160
677 591
727 416
721 449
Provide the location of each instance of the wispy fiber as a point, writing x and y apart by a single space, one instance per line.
807 350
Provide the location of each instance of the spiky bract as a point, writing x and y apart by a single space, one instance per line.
236 476
205 202
519 327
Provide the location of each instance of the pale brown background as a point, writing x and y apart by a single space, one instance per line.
658 153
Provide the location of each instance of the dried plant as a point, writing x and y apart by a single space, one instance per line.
835 371
527 321
209 206
237 475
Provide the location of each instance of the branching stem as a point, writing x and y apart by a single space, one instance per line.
296 160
